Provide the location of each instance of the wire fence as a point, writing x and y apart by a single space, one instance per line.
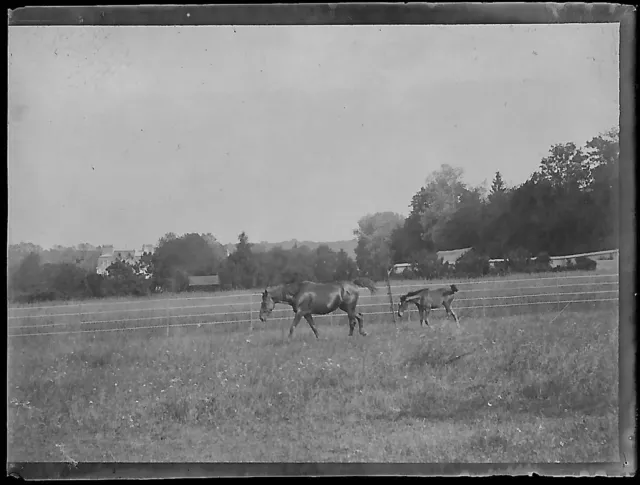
244 295
483 295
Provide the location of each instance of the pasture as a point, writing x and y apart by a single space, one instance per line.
526 377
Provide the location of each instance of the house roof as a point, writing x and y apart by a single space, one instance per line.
204 280
453 255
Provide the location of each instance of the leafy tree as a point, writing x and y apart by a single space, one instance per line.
603 152
407 240
28 277
176 257
121 280
325 264
17 252
66 279
442 194
465 226
566 167
346 268
300 265
373 252
240 268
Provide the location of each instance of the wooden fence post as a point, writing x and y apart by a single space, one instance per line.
393 315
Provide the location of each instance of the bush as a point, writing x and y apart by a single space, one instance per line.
408 274
585 264
542 262
519 260
472 264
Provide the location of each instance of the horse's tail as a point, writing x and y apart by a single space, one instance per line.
363 282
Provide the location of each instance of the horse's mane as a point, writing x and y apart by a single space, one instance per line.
413 293
446 291
291 289
285 291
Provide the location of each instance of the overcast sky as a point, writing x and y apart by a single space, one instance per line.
118 135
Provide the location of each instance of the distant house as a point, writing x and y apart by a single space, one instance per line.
204 283
400 267
129 256
452 255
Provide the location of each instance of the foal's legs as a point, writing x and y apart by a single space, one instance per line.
447 307
427 310
309 319
421 315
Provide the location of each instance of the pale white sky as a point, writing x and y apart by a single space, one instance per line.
118 135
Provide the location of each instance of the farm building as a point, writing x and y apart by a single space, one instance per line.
204 283
451 256
400 267
603 259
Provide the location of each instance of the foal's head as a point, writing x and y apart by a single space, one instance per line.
266 307
402 306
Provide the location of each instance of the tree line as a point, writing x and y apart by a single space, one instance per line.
568 205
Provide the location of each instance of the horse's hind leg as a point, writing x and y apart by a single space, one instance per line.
309 319
350 315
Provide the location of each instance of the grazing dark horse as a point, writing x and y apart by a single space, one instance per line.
426 299
308 298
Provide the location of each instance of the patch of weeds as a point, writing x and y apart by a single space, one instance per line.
178 409
489 443
432 356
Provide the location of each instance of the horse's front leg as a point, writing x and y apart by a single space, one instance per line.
421 313
296 320
352 323
427 310
309 319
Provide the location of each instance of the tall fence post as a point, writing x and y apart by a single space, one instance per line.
393 315
251 311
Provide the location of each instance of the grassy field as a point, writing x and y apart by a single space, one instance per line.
534 383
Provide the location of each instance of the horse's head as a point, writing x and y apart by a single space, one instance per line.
402 306
266 307
454 288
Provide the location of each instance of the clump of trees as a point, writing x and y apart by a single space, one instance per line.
568 205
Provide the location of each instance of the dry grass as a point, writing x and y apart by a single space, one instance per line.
513 386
